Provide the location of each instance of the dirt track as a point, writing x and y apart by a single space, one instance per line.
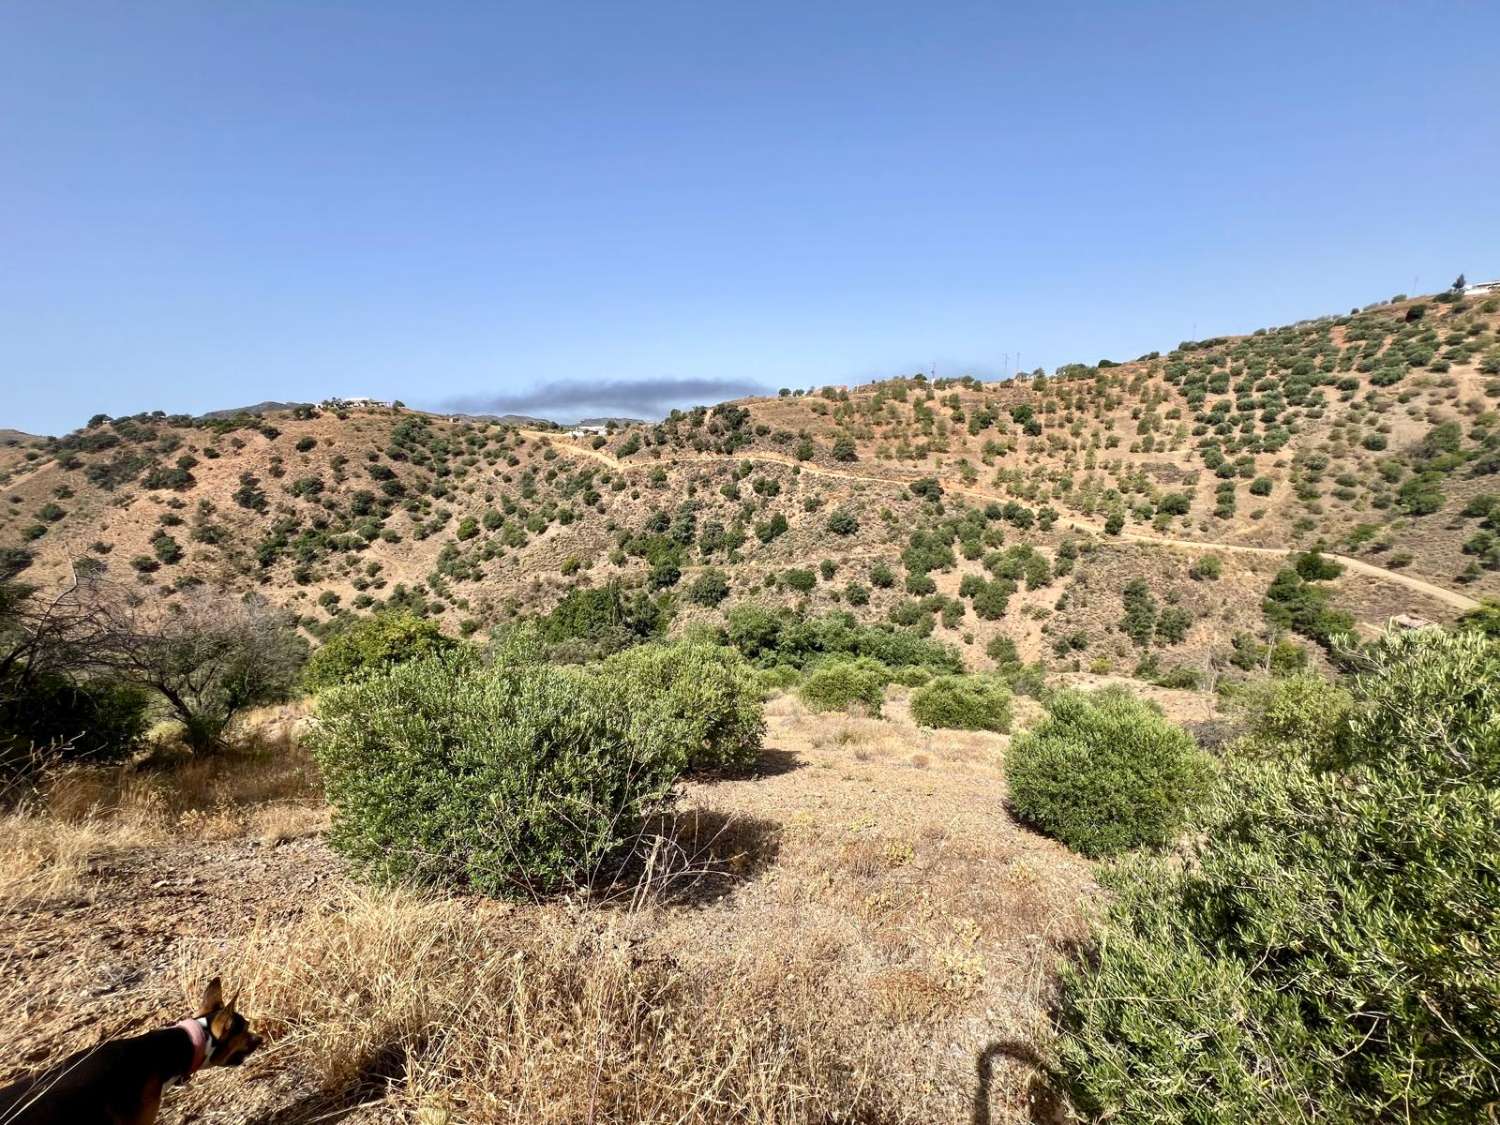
1447 597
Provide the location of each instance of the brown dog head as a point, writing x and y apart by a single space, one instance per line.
233 1040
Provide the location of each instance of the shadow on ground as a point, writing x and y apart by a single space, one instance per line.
695 856
382 1068
1043 1104
771 763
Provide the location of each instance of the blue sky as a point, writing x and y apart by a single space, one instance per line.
205 205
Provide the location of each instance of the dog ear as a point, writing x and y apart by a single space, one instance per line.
222 1023
213 998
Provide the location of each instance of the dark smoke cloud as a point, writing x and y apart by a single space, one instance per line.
635 398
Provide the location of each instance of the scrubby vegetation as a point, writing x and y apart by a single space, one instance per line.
840 683
514 778
768 638
502 707
702 701
963 703
375 644
1105 773
1326 951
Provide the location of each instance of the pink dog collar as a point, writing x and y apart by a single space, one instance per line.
199 1035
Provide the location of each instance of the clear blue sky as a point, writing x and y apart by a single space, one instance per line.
210 204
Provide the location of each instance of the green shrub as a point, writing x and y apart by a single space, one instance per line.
373 644
1300 718
1002 650
769 637
838 684
709 588
1206 569
1139 623
991 599
798 579
963 703
1105 772
697 703
514 779
605 617
777 678
1313 566
843 522
94 721
1327 951
1294 603
912 676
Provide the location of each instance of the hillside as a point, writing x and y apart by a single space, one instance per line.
1023 508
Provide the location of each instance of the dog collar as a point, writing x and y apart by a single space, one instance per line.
203 1043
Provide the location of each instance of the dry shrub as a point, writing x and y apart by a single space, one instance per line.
537 1015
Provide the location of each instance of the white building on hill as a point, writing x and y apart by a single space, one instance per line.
336 403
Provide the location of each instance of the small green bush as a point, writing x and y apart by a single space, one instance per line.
373 644
604 617
838 684
1326 953
1291 602
697 703
843 522
963 703
1298 718
92 722
912 676
777 678
1105 772
799 579
515 779
1002 650
709 588
1314 566
1206 569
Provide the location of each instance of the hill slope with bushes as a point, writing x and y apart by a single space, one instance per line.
1113 515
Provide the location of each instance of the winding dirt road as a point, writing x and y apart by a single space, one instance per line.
1356 566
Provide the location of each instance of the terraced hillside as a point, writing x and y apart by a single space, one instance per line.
1105 516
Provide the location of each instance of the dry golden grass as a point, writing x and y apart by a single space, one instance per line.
840 937
44 858
465 1011
265 786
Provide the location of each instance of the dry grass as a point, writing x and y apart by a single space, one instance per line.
840 937
44 858
543 1015
265 787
